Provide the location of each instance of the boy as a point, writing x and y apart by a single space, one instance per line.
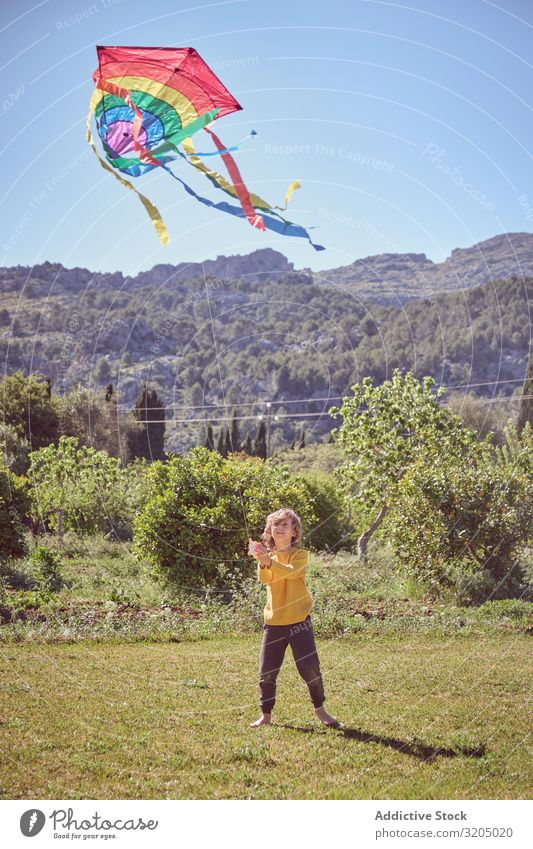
281 567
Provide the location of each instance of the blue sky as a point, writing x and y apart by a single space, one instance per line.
409 127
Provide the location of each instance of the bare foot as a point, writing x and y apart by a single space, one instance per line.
264 719
324 717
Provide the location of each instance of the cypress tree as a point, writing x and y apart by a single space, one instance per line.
235 438
149 442
209 439
248 447
260 444
221 443
227 443
302 438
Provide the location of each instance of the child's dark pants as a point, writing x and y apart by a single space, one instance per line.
276 638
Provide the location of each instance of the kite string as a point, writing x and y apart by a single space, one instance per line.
223 393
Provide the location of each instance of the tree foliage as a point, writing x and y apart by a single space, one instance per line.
14 510
29 408
332 530
457 510
92 416
386 428
460 525
260 441
149 441
525 413
194 526
88 488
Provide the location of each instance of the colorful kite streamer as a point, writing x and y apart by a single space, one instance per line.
149 101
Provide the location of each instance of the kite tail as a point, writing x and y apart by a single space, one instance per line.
242 192
227 149
153 212
294 185
277 224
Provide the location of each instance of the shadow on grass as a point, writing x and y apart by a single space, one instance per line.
415 747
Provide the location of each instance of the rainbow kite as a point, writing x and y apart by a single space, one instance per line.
148 102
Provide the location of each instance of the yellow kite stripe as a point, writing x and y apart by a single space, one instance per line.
183 106
153 212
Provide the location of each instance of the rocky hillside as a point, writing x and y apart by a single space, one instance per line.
281 334
387 278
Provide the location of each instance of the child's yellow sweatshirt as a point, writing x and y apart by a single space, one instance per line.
288 599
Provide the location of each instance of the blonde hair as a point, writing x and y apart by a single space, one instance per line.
277 517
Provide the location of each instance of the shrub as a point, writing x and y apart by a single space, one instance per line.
512 608
332 530
14 508
460 525
48 568
201 508
15 575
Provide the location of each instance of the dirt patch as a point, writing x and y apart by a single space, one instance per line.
93 611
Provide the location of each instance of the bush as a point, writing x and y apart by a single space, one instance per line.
513 608
14 509
328 503
460 526
48 569
201 508
15 576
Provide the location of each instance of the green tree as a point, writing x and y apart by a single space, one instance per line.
260 442
102 371
193 396
385 429
525 413
248 447
28 407
209 443
74 487
95 419
221 443
235 440
149 442
227 443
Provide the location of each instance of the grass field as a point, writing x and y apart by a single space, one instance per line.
426 716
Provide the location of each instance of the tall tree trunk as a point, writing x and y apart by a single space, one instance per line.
60 527
364 539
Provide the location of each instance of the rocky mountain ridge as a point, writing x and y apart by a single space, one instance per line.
383 278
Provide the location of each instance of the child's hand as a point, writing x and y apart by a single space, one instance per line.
264 556
260 549
259 552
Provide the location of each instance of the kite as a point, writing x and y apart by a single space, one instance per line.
148 102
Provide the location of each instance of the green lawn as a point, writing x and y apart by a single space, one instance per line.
425 717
